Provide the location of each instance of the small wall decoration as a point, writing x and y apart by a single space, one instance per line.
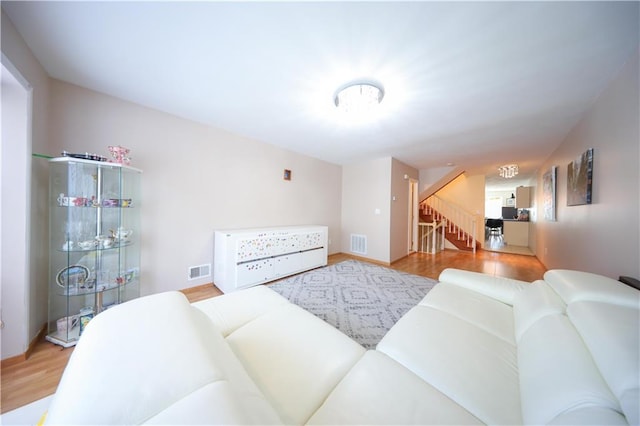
287 174
549 194
579 179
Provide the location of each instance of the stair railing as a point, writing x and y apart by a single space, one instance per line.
461 222
430 240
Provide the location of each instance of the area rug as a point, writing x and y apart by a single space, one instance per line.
360 299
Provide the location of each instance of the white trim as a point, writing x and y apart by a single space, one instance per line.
15 73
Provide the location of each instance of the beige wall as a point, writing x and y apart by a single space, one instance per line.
368 208
467 192
603 237
33 309
366 193
195 179
400 220
212 179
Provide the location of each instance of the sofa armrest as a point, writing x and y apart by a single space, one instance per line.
499 288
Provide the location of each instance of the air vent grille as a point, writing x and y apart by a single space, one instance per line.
199 271
358 244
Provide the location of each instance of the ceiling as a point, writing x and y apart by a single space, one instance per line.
476 84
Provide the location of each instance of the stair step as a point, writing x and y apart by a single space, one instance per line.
452 237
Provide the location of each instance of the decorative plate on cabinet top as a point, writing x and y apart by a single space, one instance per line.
72 275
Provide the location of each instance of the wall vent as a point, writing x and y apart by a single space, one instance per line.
358 244
199 271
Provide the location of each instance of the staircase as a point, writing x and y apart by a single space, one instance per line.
431 235
458 226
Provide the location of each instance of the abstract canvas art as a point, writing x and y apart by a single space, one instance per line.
580 179
549 194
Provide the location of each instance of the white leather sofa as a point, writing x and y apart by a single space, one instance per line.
477 349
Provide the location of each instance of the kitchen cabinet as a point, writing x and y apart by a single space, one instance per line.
523 197
516 233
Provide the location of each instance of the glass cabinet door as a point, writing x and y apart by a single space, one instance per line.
94 242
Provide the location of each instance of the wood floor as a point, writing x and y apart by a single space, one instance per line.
27 381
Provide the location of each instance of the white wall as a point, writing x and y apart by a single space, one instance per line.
15 50
428 177
503 194
603 237
366 210
196 179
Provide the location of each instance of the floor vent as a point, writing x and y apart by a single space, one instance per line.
358 244
199 271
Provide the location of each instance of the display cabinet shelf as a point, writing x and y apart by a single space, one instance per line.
115 246
94 256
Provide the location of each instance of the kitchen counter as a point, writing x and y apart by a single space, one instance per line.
516 232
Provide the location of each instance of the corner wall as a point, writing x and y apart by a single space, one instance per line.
467 192
603 237
36 288
196 179
366 209
400 208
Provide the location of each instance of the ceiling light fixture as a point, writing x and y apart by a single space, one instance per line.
508 171
358 97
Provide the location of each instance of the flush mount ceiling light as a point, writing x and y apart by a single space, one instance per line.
358 97
508 171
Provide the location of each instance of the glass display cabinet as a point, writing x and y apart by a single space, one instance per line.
94 260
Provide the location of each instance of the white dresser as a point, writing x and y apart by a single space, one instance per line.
246 257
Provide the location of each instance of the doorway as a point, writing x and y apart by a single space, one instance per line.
15 172
414 215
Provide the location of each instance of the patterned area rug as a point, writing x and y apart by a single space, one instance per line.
360 299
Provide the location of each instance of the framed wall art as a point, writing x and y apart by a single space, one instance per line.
580 179
549 194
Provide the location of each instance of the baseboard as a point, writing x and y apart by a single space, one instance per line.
34 342
23 357
361 258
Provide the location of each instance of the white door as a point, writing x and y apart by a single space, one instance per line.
414 215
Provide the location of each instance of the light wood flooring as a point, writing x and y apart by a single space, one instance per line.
28 380
497 243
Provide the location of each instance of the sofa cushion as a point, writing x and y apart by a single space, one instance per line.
232 310
573 286
602 316
498 288
596 416
217 404
557 373
612 335
474 368
534 302
380 391
295 358
484 312
141 357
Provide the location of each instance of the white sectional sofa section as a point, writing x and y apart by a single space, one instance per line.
476 350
